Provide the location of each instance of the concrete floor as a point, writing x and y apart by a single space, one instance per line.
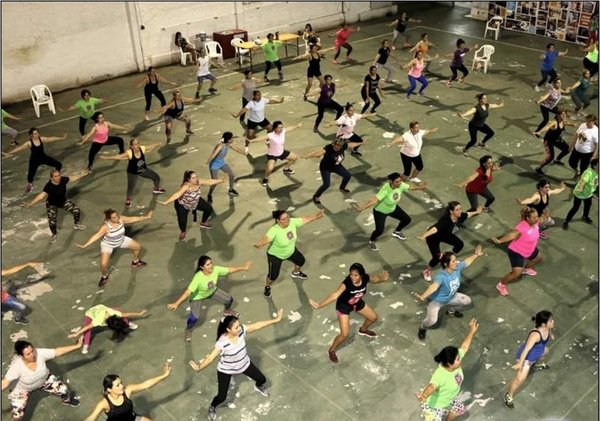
375 378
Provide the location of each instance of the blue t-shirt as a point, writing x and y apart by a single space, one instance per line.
448 282
219 160
549 59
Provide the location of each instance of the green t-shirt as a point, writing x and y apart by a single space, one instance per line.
87 108
589 178
447 385
100 313
4 114
270 50
283 240
203 286
389 197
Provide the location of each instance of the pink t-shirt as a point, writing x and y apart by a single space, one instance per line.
417 69
527 242
341 36
276 142
101 134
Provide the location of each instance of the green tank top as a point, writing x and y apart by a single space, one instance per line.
592 55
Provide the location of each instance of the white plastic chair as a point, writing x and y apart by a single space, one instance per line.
184 56
483 55
214 50
493 25
239 52
41 95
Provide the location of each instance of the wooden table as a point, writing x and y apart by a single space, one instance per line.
285 38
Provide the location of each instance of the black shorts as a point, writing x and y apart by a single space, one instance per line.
252 125
354 139
345 308
313 73
518 261
283 156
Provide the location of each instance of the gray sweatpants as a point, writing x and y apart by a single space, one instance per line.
132 180
387 66
9 131
195 306
214 174
458 302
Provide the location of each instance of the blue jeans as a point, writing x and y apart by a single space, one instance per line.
326 176
413 84
12 303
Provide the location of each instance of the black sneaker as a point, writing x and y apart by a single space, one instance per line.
289 171
267 292
540 367
103 281
138 264
197 96
456 314
264 182
212 90
266 79
539 171
233 193
399 235
262 390
422 334
316 200
212 413
299 275
565 225
71 401
21 320
355 153
345 191
587 219
209 198
508 401
562 164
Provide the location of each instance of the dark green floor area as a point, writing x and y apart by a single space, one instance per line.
374 379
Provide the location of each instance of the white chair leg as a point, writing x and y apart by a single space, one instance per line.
36 107
52 108
496 38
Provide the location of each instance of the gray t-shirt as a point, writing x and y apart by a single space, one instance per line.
29 380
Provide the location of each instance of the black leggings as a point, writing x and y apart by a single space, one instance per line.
589 65
326 177
407 162
82 121
434 241
321 111
549 148
270 63
95 148
545 116
244 103
374 97
36 161
587 205
52 212
583 159
380 217
182 213
338 50
274 263
224 380
489 133
150 90
455 70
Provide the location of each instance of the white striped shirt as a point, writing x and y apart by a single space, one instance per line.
114 236
234 357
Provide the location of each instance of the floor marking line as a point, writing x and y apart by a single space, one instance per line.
579 401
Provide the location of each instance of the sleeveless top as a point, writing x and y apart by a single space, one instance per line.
114 236
219 160
584 84
541 205
592 55
152 84
553 135
481 114
537 351
417 69
190 199
176 111
248 86
37 151
553 98
136 165
101 134
123 412
314 64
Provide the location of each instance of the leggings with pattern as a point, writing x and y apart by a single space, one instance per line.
52 212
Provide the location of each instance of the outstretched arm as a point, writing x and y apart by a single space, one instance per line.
181 299
512 235
247 266
262 242
175 195
101 406
561 187
201 365
371 202
466 343
101 231
18 268
329 299
58 352
477 253
38 198
311 218
261 325
467 113
134 219
134 388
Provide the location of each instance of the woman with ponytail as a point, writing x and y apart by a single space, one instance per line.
116 402
216 162
530 353
234 359
348 297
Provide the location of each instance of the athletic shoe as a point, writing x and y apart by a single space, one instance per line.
158 190
103 281
456 314
289 171
267 291
299 275
315 129
209 198
128 203
230 312
482 145
373 245
147 117
486 209
197 96
540 367
212 90
262 390
537 88
335 61
212 413
399 235
205 225
72 401
355 153
508 401
182 235
188 335
344 190
85 349
168 140
427 274
562 164
565 225
587 219
133 326
14 143
316 200
53 238
415 180
280 76
529 271
333 356
138 264
233 193
549 222
265 182
79 227
189 131
539 171
502 289
21 320
544 235
367 332
305 98
422 334
266 79
460 150
28 188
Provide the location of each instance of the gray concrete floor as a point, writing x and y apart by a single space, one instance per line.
375 378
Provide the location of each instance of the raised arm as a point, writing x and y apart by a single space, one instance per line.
211 181
542 99
116 126
261 325
397 139
276 101
475 212
101 231
498 105
547 127
478 252
88 136
134 219
132 314
429 131
201 365
246 267
329 299
81 331
466 343
531 200
19 148
563 53
134 388
59 352
409 65
162 79
467 113
433 287
78 176
311 218
118 157
54 138
561 187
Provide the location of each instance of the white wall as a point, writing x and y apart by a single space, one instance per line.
66 45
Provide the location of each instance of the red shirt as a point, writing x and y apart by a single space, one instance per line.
479 184
4 295
341 36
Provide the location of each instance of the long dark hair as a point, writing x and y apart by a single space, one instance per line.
447 356
107 383
482 162
96 115
225 324
361 272
451 206
186 176
118 325
542 318
277 214
201 262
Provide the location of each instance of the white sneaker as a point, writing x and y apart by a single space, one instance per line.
537 88
132 326
85 349
415 180
79 227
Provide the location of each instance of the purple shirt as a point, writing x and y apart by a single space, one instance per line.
326 94
459 55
